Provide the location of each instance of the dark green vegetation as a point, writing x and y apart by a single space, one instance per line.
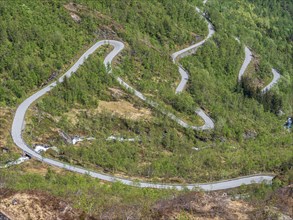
242 142
36 41
271 101
159 140
267 28
39 39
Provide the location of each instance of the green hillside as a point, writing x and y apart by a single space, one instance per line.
43 39
241 144
40 40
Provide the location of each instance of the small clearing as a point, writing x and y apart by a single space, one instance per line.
77 9
74 9
121 108
124 109
75 17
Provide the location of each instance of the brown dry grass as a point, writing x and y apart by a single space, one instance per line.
73 7
79 9
124 109
200 206
27 207
36 205
121 108
220 206
36 167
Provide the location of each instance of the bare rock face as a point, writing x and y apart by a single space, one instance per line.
74 9
75 17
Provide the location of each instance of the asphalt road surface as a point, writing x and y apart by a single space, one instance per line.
247 60
275 80
19 123
208 122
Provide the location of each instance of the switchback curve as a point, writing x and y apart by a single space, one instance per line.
18 126
246 62
19 119
208 122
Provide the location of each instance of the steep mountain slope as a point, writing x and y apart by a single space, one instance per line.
243 125
248 138
43 45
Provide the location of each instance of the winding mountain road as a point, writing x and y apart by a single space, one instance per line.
275 80
19 123
247 60
208 122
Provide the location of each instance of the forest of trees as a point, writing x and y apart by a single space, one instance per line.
42 39
39 41
266 27
271 101
34 44
244 119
